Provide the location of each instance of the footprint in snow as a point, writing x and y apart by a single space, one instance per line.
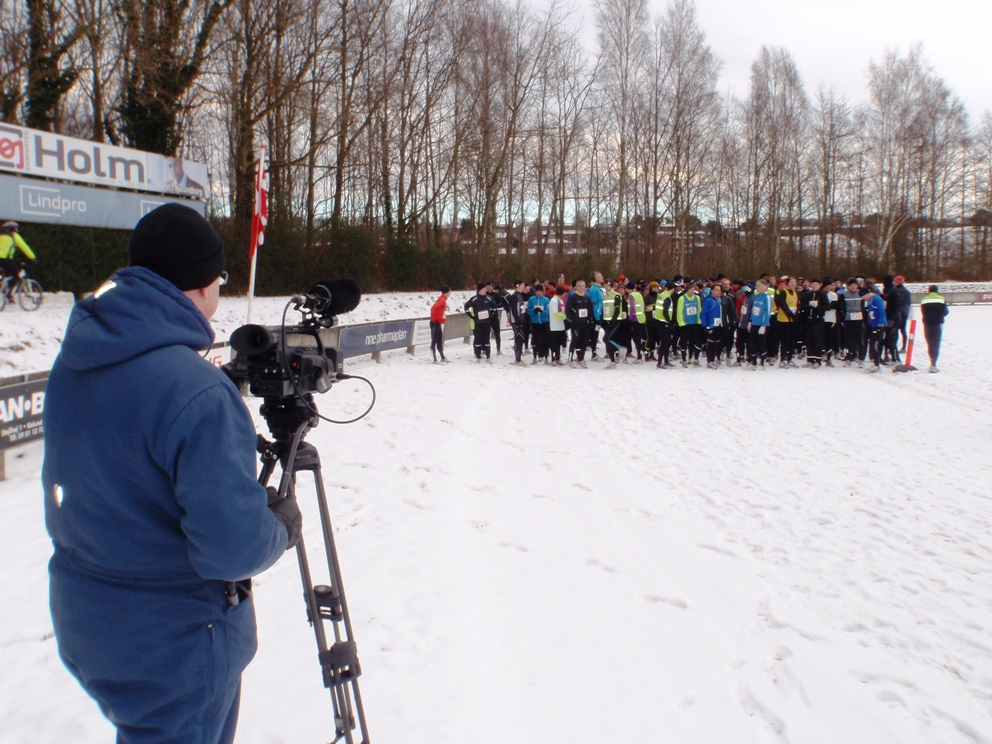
676 602
602 566
520 548
721 551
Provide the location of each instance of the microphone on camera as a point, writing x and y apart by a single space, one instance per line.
334 296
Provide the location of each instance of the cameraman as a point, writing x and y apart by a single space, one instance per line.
151 498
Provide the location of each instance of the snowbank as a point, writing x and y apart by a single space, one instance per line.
547 555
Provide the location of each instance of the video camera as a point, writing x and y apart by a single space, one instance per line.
280 361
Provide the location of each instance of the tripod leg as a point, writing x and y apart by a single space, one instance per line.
348 688
325 603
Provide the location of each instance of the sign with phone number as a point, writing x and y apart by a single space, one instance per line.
21 407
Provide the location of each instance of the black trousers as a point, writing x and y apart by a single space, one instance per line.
494 324
814 340
831 339
437 339
481 340
695 339
892 342
619 339
540 339
664 342
608 327
593 337
932 333
758 344
772 336
650 336
786 341
580 340
854 340
741 344
714 343
638 332
876 344
519 338
728 339
557 344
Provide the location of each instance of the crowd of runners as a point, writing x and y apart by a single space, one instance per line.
732 322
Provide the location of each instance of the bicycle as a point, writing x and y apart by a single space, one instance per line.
27 291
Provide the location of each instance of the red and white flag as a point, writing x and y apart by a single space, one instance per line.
259 220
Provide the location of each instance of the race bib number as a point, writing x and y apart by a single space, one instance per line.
756 311
583 313
854 316
484 315
813 303
690 310
521 308
717 321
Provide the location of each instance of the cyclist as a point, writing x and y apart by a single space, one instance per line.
10 242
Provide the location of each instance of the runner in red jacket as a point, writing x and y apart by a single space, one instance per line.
437 324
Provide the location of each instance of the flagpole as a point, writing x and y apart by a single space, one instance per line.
257 227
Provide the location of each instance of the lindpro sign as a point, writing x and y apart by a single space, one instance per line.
35 153
32 200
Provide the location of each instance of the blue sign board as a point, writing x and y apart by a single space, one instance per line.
367 339
34 200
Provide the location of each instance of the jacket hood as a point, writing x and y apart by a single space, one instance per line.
134 312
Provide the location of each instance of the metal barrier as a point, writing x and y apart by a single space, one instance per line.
958 298
22 397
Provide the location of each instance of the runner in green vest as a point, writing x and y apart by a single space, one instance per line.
638 320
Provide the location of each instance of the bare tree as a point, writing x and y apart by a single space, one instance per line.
623 48
833 131
692 107
13 58
50 37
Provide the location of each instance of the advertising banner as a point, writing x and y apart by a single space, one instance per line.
366 339
30 200
21 407
421 332
35 153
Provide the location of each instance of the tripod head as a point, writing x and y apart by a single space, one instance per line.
284 416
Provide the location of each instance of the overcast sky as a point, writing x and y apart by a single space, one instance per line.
832 41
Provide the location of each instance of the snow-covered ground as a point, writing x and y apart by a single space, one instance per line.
551 555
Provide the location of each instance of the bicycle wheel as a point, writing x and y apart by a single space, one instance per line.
29 294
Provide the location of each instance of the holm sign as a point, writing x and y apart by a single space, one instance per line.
35 153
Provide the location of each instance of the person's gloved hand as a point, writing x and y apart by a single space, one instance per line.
287 512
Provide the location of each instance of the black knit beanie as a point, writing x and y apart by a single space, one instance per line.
179 245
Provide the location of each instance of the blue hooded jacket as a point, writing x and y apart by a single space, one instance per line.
761 309
152 502
537 309
596 298
876 311
712 311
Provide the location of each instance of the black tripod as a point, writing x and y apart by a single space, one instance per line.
289 420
